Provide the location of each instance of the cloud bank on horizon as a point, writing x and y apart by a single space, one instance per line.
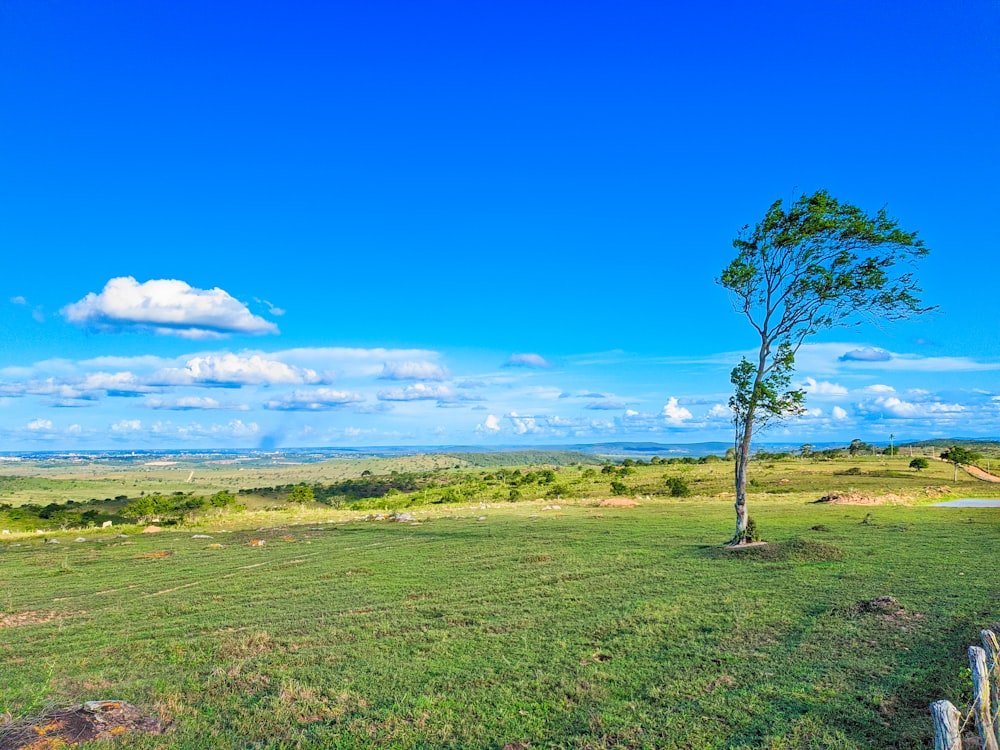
338 395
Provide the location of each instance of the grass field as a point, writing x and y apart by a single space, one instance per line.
512 625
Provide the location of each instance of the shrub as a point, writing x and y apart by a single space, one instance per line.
678 487
619 488
301 493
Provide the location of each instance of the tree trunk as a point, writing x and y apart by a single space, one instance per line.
742 463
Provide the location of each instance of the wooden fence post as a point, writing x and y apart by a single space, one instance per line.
992 647
946 717
982 705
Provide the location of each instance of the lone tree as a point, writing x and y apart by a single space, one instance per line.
919 463
958 456
818 265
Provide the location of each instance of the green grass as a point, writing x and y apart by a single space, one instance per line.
570 628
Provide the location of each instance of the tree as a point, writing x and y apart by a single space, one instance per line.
301 493
919 463
857 446
959 455
806 450
818 265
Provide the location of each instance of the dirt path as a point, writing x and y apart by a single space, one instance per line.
978 473
975 471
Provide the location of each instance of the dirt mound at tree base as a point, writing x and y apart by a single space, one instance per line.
859 498
64 728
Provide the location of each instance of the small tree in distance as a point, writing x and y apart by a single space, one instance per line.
959 455
919 463
301 493
818 265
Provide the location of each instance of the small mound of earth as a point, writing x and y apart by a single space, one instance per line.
618 502
889 608
881 605
859 498
794 550
93 720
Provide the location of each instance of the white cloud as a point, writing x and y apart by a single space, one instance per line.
526 359
895 407
191 403
674 413
166 306
235 369
867 354
408 370
47 387
127 425
115 383
352 362
314 399
490 425
416 392
831 358
720 411
523 425
237 428
879 388
18 300
40 425
823 388
606 404
838 413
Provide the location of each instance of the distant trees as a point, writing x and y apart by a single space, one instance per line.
174 507
857 446
813 267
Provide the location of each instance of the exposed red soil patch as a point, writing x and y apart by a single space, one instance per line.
859 498
69 727
29 618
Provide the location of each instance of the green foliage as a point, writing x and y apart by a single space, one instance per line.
677 487
222 499
960 455
301 493
762 394
919 463
619 488
858 446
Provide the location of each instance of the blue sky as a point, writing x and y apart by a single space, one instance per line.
252 225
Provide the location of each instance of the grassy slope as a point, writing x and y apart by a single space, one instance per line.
581 627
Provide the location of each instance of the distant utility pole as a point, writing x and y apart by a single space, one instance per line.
891 436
